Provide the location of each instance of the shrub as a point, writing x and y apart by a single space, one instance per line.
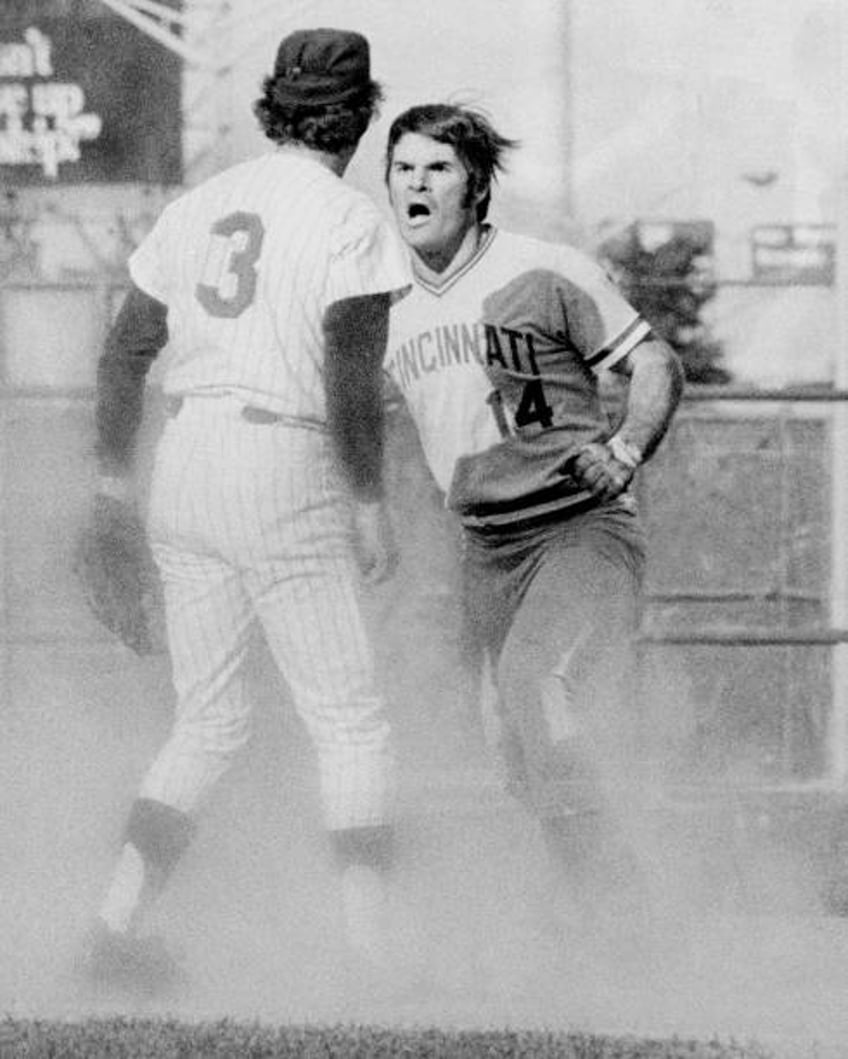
669 283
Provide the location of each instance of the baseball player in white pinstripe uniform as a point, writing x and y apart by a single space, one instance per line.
267 291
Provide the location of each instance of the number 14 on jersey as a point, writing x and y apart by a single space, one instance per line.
533 407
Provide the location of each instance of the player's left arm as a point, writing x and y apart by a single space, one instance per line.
356 334
655 388
139 332
654 392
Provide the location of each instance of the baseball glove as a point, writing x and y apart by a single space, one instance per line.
114 566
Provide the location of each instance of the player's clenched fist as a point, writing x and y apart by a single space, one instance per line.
596 468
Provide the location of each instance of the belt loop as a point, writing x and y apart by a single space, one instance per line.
259 415
173 406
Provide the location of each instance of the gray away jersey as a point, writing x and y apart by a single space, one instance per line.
498 365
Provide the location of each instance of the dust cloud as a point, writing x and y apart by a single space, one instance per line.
736 942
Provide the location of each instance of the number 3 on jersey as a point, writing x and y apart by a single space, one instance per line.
231 265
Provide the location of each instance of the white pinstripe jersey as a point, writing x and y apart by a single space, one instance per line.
498 364
247 264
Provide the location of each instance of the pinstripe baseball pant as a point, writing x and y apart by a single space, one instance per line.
248 523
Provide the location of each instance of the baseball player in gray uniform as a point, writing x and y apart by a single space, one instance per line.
265 293
497 352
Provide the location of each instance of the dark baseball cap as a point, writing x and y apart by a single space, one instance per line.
316 67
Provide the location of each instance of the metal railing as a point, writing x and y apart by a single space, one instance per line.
831 632
744 636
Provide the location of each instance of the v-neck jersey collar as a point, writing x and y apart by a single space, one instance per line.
444 283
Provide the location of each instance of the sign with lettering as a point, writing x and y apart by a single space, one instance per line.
796 254
87 100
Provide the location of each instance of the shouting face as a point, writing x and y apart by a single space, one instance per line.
429 192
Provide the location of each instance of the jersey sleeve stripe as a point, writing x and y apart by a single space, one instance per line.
613 351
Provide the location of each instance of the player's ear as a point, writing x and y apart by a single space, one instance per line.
481 199
478 188
476 192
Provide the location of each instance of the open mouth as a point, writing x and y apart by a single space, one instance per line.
417 212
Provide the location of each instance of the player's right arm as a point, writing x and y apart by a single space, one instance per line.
355 334
138 334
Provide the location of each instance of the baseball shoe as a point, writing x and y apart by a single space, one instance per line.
126 963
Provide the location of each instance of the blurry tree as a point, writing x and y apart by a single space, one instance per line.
667 277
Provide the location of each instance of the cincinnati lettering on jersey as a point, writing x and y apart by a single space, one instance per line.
448 345
513 350
435 350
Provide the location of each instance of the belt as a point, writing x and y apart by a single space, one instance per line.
249 412
537 515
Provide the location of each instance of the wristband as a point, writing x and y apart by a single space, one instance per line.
624 452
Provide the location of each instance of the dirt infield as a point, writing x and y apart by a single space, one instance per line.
251 908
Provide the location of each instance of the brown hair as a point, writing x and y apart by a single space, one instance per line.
478 145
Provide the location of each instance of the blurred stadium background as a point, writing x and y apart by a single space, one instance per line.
726 118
